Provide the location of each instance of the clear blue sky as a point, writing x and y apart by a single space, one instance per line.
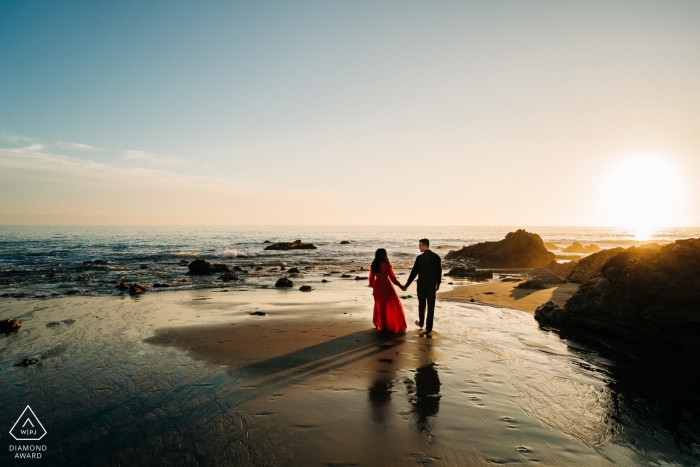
342 112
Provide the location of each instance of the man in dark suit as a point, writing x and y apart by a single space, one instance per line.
428 268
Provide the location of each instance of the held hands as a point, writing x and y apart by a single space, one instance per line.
403 287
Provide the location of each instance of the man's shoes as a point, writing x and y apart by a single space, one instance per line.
426 334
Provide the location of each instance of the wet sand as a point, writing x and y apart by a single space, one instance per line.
189 378
505 294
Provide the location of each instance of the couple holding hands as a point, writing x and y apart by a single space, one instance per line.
388 311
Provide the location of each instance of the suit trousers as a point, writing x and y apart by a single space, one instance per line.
426 296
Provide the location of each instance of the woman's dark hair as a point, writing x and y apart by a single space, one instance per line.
380 256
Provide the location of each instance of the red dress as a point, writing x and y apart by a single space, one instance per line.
388 311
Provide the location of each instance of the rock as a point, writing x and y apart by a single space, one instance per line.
201 267
229 277
267 241
325 280
562 269
644 295
27 362
259 268
450 283
143 266
284 282
547 276
520 249
136 289
532 284
346 276
511 279
589 266
159 285
306 288
53 324
7 325
71 292
123 286
282 268
461 272
576 247
293 271
551 246
549 311
295 245
183 262
651 246
361 278
258 313
345 242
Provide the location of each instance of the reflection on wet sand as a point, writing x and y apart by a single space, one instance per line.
426 402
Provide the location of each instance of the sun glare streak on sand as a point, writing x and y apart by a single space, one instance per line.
643 193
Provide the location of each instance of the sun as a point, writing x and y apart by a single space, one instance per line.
642 194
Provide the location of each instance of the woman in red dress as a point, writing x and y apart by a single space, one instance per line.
388 311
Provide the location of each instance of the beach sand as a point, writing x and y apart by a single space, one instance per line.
191 377
506 294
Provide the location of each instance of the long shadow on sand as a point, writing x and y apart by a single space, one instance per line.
648 387
296 367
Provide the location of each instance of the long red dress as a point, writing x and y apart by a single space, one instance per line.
388 311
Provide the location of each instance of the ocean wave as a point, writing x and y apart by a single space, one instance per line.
231 253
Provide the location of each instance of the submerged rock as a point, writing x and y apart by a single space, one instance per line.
10 325
644 295
345 242
27 362
520 249
295 245
258 313
361 278
293 271
306 288
159 285
229 277
136 289
201 267
284 282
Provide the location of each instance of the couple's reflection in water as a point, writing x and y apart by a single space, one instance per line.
423 391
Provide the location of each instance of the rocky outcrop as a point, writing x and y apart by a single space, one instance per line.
520 249
547 276
295 245
532 284
284 282
589 266
576 247
562 269
642 295
7 325
201 267
551 246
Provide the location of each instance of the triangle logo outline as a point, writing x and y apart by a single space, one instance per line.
31 423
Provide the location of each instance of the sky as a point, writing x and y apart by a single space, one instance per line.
350 113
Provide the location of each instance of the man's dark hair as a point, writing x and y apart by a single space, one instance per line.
425 241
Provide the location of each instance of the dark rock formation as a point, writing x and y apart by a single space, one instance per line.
589 266
345 242
325 280
461 272
642 295
532 284
293 271
547 276
520 249
136 289
27 362
576 247
306 288
284 282
158 285
258 313
346 276
143 266
267 241
551 246
361 278
201 267
7 325
123 286
295 245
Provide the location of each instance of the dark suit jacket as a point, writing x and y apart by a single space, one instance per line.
428 268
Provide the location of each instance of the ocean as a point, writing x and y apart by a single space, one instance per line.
45 262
